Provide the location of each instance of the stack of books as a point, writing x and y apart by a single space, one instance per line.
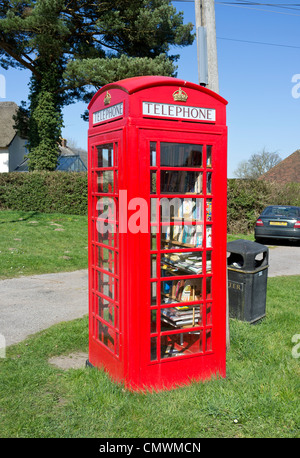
181 316
191 262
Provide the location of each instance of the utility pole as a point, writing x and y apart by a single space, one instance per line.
208 74
207 43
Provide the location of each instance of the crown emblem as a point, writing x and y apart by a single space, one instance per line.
107 98
180 96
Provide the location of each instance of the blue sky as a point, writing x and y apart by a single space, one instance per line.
256 79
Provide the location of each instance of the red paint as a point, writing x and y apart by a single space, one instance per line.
161 352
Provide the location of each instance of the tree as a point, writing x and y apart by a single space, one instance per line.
257 165
73 47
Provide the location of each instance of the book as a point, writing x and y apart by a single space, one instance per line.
192 290
188 262
198 210
180 316
208 237
187 208
208 210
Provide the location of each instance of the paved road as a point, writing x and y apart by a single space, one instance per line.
284 260
31 304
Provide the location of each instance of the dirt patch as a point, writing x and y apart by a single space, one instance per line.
71 361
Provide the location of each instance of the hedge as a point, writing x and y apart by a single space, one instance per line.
66 192
247 198
46 192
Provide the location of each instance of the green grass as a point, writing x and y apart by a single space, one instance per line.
258 398
232 237
37 243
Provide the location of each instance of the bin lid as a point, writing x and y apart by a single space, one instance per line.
244 254
246 247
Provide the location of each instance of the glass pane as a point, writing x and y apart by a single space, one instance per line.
174 237
116 155
208 340
153 320
208 209
106 208
208 287
117 290
181 317
208 156
176 209
153 293
208 237
116 264
170 209
116 317
208 183
106 336
208 261
180 155
105 285
153 238
153 210
153 351
181 264
185 343
106 310
105 232
116 181
153 154
105 181
173 291
106 259
105 155
180 182
208 314
153 182
153 266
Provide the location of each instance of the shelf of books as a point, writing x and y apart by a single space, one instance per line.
181 249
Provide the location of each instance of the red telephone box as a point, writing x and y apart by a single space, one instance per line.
157 232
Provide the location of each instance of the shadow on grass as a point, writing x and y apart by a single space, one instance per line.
28 216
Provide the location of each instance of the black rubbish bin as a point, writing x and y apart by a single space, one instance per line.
247 266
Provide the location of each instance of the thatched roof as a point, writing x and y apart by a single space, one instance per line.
7 131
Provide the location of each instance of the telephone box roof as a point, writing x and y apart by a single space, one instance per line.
138 83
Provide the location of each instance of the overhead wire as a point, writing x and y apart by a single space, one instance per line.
259 42
289 6
244 4
251 5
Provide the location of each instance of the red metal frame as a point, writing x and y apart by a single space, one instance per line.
131 334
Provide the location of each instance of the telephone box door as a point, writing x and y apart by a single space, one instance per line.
183 279
104 262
